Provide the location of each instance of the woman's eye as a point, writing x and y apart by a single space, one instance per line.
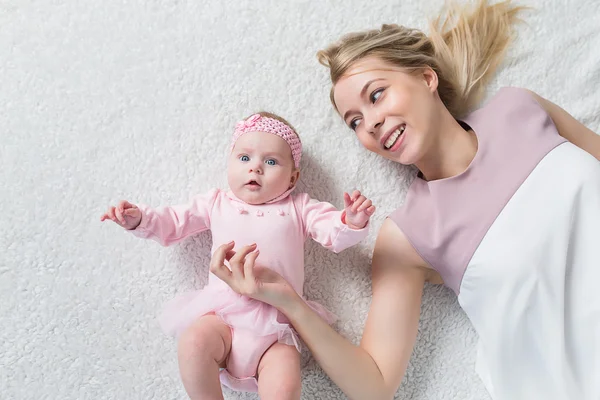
354 123
271 162
375 95
244 158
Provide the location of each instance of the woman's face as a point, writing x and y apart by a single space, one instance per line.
393 112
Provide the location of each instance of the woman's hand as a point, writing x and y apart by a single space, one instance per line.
251 280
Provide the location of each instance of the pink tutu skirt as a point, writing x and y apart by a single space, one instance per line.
235 310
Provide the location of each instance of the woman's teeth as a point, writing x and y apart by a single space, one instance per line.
393 137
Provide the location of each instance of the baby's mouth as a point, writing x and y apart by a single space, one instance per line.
253 184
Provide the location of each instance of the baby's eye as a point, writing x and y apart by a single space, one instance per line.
270 161
244 158
354 123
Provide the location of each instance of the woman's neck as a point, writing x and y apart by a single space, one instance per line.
451 152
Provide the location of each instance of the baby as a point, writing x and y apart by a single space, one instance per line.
262 171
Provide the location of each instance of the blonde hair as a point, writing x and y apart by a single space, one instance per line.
464 48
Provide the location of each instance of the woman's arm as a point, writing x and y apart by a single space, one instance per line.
571 129
374 369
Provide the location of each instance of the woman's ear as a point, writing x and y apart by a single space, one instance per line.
430 78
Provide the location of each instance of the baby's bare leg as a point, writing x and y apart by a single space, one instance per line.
202 348
279 373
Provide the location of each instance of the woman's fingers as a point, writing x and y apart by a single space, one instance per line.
217 263
229 254
236 262
249 265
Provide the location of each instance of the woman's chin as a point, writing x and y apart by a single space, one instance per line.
397 157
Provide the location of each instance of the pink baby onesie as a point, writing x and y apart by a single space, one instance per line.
279 229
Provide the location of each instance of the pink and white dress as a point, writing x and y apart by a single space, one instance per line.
517 237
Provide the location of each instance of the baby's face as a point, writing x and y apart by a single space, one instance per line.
260 167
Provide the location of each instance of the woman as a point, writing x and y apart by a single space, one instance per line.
505 211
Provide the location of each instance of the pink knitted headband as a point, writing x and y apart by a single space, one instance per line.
258 123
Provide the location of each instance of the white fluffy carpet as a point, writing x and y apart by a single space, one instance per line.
109 100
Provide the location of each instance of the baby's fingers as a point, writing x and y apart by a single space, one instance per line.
368 203
110 214
130 212
125 205
370 211
357 203
119 215
347 200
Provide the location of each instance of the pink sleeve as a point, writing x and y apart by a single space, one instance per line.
323 223
171 224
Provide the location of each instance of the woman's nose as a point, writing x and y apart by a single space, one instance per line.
372 122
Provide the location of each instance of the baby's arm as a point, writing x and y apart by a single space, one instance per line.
171 224
327 225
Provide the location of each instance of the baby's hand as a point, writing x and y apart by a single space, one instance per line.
358 210
125 214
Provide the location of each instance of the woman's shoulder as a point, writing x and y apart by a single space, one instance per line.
509 108
513 92
506 98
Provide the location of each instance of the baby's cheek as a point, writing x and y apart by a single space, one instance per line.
282 180
233 174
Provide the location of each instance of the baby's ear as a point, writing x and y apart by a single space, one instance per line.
294 177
